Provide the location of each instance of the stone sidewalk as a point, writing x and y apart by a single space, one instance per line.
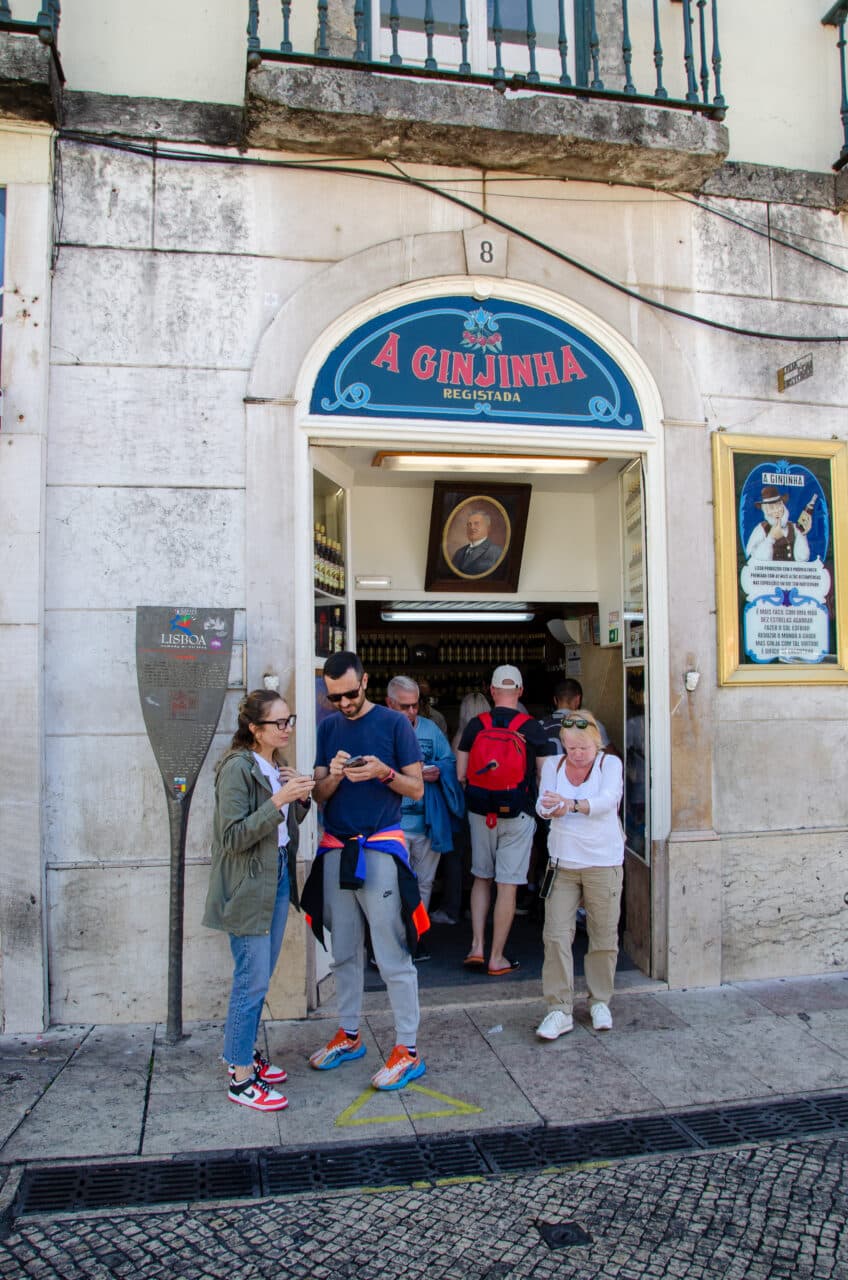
96 1092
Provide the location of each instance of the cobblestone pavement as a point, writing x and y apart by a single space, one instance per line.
767 1212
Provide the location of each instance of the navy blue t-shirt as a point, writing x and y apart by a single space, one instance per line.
361 808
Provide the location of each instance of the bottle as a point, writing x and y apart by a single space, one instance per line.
337 631
322 639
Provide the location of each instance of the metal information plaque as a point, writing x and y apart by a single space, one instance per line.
791 374
183 664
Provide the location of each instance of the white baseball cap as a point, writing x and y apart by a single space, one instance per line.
507 678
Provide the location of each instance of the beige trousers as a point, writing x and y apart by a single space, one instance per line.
600 890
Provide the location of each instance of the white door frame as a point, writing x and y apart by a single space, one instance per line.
313 430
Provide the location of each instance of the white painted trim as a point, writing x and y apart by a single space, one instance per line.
648 443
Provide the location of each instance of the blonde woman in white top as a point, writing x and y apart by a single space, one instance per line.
581 792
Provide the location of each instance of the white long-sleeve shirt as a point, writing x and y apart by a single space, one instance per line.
586 840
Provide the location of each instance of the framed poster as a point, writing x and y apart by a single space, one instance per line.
476 536
781 546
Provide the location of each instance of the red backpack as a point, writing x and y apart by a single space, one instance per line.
497 761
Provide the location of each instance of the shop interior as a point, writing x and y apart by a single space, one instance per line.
578 611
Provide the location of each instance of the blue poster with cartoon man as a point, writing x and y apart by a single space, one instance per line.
785 560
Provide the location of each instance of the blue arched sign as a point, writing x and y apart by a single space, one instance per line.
455 357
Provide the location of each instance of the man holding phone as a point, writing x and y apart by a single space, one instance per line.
367 760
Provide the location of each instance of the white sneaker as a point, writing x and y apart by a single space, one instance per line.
554 1024
601 1017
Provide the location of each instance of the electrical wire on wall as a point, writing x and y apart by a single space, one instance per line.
155 151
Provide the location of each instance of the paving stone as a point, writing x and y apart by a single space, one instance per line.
757 1213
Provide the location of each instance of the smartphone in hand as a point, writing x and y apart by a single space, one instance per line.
355 762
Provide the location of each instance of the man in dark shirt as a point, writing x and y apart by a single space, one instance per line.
367 760
568 698
502 824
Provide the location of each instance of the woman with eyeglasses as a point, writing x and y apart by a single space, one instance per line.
580 792
259 803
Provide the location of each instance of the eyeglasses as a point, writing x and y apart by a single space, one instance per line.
350 694
288 722
406 706
573 722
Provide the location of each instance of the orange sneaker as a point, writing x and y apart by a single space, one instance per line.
342 1048
400 1069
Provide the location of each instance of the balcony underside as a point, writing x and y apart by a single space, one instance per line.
364 114
30 80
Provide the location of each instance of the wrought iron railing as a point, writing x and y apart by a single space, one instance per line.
596 48
837 16
45 26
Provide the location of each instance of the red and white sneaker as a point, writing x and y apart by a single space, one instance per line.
265 1070
261 1097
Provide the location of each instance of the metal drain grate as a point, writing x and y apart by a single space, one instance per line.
242 1175
728 1126
106 1186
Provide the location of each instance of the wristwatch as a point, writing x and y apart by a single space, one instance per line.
390 777
575 806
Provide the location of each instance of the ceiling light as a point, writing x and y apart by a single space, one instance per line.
510 462
440 615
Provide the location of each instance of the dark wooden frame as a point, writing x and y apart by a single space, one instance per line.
506 504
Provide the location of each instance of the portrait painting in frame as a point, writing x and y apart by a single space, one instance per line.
780 559
476 536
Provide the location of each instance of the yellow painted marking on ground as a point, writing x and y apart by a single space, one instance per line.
453 1106
350 1118
460 1180
577 1168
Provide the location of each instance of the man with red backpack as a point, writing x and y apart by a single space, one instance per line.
499 761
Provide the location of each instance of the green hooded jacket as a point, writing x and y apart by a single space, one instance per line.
243 876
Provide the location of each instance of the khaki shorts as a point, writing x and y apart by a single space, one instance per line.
501 853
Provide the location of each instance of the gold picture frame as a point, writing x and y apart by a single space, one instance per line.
781 548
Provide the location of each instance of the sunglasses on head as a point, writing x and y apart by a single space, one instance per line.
350 694
576 722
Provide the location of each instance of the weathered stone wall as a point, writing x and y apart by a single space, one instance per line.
25 172
167 279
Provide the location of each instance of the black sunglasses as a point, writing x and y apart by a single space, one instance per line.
574 722
350 694
288 722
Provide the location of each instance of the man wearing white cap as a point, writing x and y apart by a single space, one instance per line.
499 760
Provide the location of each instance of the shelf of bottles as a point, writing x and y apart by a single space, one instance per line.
453 665
633 549
329 578
330 632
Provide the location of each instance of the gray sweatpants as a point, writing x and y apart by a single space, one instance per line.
345 913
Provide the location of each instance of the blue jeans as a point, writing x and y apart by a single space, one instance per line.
255 958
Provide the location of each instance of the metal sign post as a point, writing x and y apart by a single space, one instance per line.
183 664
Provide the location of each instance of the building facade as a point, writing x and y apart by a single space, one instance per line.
203 226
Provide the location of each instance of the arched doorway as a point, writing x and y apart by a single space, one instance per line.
341 446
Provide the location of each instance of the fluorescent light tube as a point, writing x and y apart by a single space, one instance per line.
419 615
511 463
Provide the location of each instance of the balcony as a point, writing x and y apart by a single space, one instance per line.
30 71
837 16
604 90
